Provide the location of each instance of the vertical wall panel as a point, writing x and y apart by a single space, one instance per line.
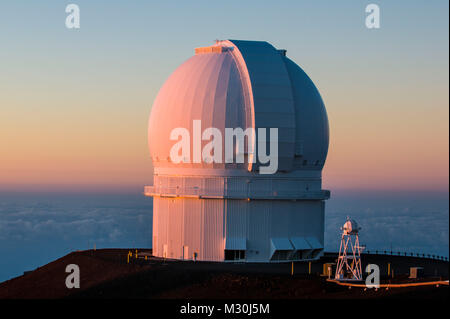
162 224
192 225
213 235
156 212
306 219
260 188
236 187
280 213
258 245
191 182
175 223
236 218
214 186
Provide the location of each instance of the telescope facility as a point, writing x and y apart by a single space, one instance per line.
231 211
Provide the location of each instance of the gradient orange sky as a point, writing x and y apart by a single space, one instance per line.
74 104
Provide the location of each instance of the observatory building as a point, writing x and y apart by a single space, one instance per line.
228 210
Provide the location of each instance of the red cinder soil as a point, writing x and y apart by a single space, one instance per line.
105 273
49 281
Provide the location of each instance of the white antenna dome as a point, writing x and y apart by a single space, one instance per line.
350 227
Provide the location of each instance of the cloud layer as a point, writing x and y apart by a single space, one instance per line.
35 229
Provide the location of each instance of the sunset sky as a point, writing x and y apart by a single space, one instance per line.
74 104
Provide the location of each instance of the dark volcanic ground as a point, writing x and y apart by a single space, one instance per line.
106 274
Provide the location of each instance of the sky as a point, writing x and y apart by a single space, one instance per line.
74 103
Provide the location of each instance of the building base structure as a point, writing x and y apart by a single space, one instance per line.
238 218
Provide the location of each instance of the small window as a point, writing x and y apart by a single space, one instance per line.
234 254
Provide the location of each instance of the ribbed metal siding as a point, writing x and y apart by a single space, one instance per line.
214 186
193 182
260 188
213 248
321 231
258 230
280 218
236 218
192 232
203 225
175 228
161 225
162 181
155 231
236 187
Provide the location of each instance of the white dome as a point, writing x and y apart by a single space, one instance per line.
350 227
242 84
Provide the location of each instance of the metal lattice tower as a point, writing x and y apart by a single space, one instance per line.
349 261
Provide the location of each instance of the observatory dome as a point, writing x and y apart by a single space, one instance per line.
242 84
234 209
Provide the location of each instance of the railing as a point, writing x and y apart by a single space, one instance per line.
404 253
181 191
235 193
